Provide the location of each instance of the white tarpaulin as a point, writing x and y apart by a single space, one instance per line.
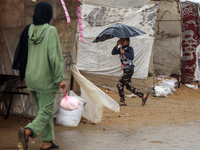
96 58
94 97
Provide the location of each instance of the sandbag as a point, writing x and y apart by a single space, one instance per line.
70 118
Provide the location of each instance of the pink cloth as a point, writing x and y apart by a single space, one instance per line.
66 12
69 103
79 19
80 23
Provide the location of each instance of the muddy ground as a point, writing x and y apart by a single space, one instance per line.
178 109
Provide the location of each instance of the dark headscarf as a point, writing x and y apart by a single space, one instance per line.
42 14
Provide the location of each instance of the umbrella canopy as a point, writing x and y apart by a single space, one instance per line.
118 30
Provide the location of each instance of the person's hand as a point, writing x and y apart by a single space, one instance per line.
118 43
62 85
122 51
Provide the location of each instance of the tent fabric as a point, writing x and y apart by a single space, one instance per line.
12 24
190 40
166 59
96 58
117 3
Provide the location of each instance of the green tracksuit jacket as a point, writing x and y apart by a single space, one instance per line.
44 70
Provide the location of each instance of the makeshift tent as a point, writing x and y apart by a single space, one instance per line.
14 16
167 45
96 57
160 19
157 52
67 34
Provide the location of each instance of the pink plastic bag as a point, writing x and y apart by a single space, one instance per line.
69 103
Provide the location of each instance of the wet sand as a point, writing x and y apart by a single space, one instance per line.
135 126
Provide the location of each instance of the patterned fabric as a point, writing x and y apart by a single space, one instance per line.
126 80
190 40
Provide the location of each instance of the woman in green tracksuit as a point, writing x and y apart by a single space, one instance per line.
44 76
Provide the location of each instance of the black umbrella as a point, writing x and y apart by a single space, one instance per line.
118 30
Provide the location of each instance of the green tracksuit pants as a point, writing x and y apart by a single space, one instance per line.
43 123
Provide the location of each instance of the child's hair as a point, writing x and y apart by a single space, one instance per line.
128 39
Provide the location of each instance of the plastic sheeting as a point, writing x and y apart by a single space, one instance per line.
96 58
165 85
94 97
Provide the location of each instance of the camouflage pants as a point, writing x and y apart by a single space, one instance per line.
125 80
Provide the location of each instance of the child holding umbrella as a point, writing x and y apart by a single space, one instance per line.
126 54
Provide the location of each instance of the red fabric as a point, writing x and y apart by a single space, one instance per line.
190 40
